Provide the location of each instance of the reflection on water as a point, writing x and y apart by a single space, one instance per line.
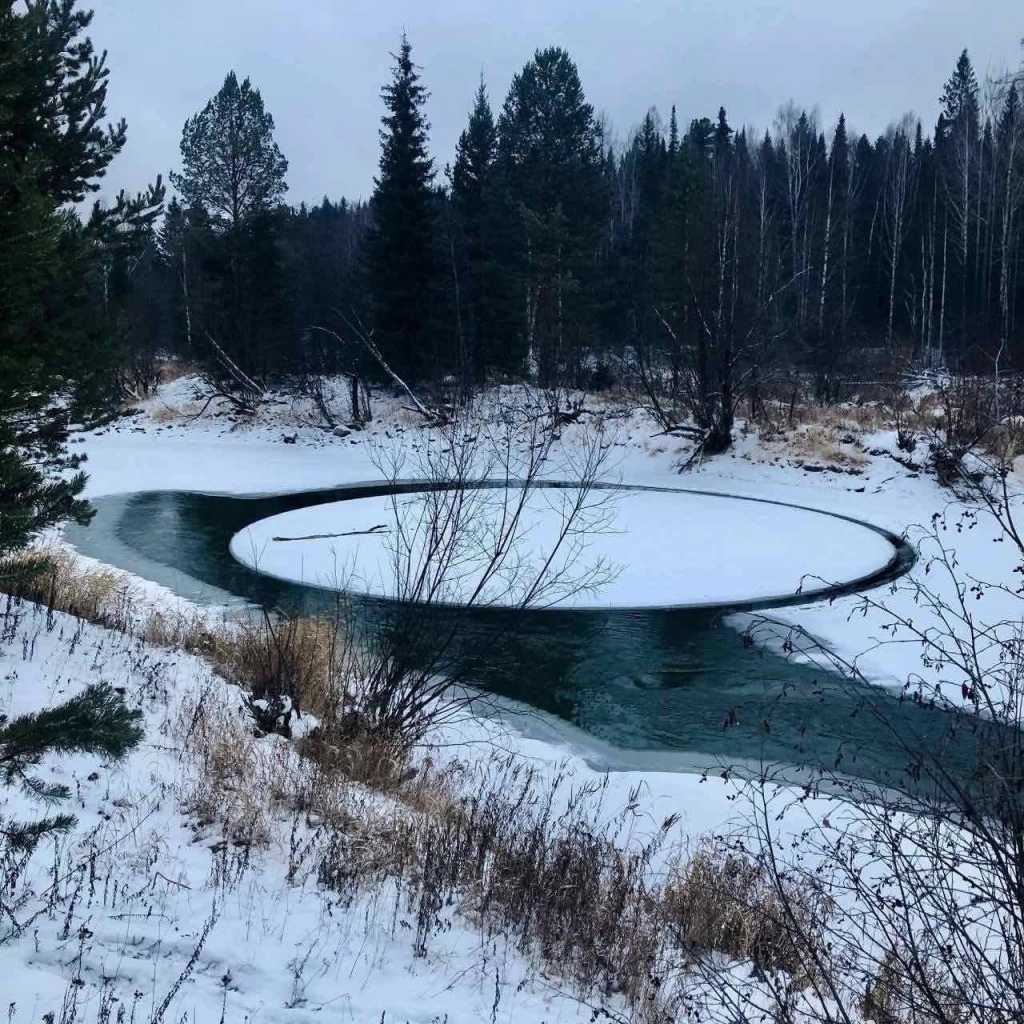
646 680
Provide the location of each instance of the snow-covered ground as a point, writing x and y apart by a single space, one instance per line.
216 455
150 876
146 892
149 905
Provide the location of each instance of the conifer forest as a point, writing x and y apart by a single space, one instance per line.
697 256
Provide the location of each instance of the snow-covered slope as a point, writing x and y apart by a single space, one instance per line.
148 897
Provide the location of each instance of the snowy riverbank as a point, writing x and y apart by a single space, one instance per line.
151 894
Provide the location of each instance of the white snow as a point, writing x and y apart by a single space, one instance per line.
658 548
149 873
217 456
146 883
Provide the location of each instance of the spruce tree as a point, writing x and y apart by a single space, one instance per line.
484 214
640 259
957 144
401 243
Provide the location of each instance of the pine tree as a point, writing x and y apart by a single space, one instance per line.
97 721
231 166
474 156
52 331
401 243
52 150
957 143
484 214
232 182
648 164
550 150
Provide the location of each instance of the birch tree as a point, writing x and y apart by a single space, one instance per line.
898 196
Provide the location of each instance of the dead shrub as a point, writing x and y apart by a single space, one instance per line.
286 665
174 369
891 998
817 445
359 755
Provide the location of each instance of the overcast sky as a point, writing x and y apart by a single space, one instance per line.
320 65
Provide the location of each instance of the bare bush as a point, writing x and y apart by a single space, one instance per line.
721 899
462 541
927 871
528 862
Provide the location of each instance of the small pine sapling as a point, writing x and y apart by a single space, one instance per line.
97 721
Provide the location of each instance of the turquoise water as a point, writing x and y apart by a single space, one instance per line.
666 688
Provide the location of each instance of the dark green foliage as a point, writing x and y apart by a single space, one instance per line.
551 155
54 97
223 245
485 222
97 721
324 275
138 311
704 261
33 497
956 141
402 244
231 166
960 94
55 338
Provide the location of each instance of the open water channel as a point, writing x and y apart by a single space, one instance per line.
662 689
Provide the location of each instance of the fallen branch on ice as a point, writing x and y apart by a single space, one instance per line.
379 528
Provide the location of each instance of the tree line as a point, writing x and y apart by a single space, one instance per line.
700 261
693 257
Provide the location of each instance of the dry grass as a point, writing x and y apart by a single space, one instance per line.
825 445
300 660
239 782
720 900
165 413
379 762
849 417
54 578
519 856
174 369
875 416
1005 441
817 445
